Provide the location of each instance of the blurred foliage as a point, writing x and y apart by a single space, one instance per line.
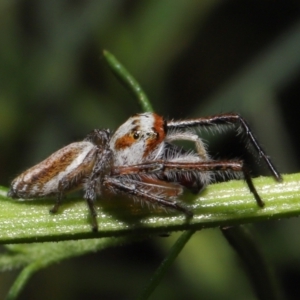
192 58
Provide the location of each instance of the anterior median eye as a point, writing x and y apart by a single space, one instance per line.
136 134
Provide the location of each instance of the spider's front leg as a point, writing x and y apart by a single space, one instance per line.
214 166
143 168
174 168
225 120
152 191
189 136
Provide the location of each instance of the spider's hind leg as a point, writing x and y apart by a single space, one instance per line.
57 204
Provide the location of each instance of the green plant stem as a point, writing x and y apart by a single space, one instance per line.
121 220
135 88
39 256
128 80
165 265
256 267
222 204
20 282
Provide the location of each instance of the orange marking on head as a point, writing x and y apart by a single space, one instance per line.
159 130
124 141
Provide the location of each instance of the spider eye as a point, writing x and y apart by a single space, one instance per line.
136 134
152 134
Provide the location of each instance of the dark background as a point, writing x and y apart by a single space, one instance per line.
192 58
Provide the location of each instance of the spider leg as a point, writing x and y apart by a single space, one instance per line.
147 167
169 167
189 136
90 196
93 214
144 191
57 203
102 164
74 179
219 166
223 120
100 138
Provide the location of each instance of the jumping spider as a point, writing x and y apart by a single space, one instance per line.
138 160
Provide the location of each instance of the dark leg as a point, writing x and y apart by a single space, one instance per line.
94 182
252 188
133 189
93 213
71 181
218 166
146 168
90 196
223 120
57 204
206 166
